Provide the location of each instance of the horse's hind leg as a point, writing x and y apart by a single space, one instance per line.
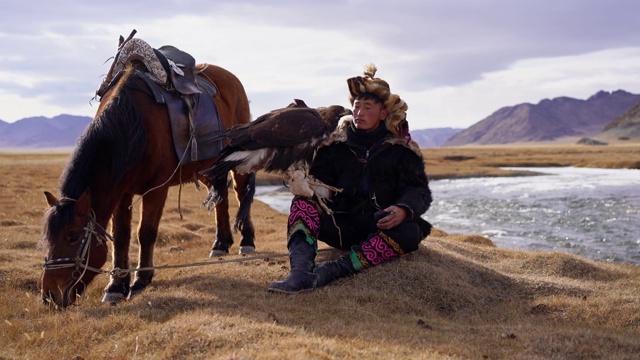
224 237
152 206
245 188
118 287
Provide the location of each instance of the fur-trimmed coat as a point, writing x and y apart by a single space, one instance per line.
375 176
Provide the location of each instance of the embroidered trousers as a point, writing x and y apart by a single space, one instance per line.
358 233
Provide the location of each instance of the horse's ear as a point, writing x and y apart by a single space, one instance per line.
51 199
83 204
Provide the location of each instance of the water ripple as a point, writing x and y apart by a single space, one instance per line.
593 213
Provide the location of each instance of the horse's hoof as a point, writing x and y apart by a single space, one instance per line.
217 253
113 298
245 250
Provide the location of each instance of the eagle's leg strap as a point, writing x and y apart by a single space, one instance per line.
323 205
313 182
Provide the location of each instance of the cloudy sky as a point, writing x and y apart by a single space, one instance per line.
453 61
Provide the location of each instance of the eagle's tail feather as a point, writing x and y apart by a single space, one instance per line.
220 168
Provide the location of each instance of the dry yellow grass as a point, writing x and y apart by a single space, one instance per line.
457 297
485 160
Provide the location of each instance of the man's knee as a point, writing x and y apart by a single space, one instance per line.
407 235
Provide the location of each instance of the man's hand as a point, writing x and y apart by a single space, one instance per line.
395 217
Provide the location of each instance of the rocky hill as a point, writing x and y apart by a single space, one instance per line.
40 132
548 120
624 127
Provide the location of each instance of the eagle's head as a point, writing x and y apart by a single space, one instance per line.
331 115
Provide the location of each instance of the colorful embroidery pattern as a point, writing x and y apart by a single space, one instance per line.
378 249
304 212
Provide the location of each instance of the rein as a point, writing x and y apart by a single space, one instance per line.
80 261
121 272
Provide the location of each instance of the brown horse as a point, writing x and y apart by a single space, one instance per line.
128 150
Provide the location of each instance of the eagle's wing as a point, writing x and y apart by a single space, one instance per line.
282 136
242 132
279 141
281 128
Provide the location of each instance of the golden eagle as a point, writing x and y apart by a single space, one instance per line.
282 141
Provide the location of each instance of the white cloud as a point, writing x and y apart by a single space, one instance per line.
531 80
275 63
454 62
41 105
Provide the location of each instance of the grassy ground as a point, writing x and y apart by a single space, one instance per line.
456 297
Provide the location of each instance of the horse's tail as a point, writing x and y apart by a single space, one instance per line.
245 203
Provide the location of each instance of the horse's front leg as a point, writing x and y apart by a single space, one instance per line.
152 206
118 287
224 237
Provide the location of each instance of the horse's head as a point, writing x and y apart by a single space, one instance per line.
75 248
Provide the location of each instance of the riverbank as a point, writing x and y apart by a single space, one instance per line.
461 162
456 297
482 161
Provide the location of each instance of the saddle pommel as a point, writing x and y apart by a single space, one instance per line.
168 66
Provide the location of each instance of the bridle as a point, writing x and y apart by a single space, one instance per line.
81 259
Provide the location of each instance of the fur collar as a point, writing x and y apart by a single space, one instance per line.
340 135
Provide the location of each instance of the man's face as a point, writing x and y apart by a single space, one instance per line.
368 114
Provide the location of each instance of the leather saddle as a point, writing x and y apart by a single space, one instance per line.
180 65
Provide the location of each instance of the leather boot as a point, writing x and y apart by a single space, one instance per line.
302 256
328 271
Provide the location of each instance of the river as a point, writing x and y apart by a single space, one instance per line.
594 213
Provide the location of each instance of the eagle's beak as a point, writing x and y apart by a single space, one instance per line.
346 112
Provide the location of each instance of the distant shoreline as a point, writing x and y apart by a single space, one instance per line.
467 162
487 161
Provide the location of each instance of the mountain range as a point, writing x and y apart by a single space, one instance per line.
605 116
432 138
62 131
41 132
548 120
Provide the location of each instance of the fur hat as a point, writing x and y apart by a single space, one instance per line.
397 119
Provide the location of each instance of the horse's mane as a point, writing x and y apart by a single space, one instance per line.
55 218
115 137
